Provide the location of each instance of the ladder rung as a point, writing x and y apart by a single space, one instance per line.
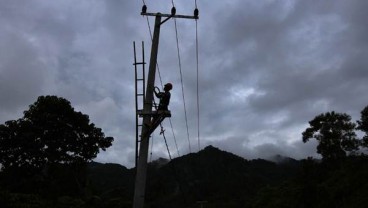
140 79
138 63
140 94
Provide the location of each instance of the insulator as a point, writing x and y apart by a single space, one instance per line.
144 9
173 11
196 13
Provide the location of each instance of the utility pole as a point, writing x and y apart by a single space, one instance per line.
147 113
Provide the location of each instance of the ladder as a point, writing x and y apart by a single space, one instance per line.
140 86
140 95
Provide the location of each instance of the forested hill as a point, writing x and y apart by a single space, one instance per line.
212 175
219 178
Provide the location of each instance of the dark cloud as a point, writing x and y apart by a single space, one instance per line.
266 68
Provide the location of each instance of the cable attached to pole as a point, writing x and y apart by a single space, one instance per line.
197 63
196 14
182 84
144 10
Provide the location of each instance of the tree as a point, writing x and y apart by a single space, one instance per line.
335 134
51 131
363 125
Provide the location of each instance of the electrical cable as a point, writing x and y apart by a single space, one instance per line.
182 84
160 78
159 75
181 78
150 33
172 129
197 62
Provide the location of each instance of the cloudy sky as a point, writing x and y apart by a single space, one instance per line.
265 68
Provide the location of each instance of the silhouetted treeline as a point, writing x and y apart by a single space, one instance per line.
220 178
46 162
44 155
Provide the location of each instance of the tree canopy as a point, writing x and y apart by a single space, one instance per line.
363 125
335 134
51 131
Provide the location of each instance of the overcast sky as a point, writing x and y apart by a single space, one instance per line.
266 68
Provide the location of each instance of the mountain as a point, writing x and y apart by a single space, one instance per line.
107 179
212 175
218 177
159 162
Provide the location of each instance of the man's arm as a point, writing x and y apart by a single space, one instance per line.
157 93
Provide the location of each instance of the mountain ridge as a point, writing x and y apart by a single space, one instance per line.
210 174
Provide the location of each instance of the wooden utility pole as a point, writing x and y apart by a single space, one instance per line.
141 173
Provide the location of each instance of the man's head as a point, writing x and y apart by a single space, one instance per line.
168 87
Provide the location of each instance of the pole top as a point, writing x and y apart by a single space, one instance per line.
169 15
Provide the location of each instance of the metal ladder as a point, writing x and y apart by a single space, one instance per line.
140 86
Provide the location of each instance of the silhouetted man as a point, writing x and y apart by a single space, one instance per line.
164 97
162 109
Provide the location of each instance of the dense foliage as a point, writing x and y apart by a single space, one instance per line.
321 185
335 135
51 131
217 178
363 125
44 154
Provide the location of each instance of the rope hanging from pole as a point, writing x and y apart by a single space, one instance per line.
167 146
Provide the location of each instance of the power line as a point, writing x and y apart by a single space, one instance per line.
182 84
197 62
181 80
159 74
